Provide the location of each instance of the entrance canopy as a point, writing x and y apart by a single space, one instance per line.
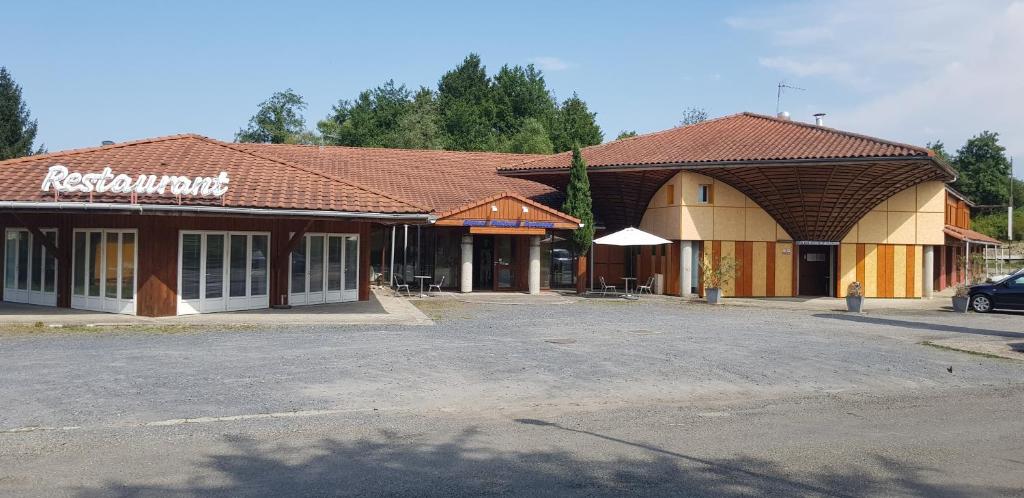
507 213
816 182
631 237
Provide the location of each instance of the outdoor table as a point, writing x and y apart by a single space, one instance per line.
627 295
421 279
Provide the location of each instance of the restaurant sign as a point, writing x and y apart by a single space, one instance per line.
60 180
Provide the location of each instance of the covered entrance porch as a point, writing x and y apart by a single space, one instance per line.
502 243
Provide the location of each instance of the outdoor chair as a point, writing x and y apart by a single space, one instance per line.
438 285
399 285
605 287
646 287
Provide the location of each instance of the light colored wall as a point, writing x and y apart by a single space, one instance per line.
913 216
731 215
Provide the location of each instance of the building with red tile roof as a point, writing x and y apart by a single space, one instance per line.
187 224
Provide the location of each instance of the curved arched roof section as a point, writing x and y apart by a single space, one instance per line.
817 182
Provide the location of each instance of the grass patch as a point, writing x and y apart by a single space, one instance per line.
959 350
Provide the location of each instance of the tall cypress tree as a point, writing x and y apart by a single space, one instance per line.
17 128
579 204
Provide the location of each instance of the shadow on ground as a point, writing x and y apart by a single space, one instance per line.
394 464
919 325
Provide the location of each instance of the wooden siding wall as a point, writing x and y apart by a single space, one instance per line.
509 208
662 259
958 213
157 273
765 268
610 263
884 270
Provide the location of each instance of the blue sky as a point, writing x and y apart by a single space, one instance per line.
905 70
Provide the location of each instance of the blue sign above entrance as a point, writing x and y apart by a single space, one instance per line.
508 223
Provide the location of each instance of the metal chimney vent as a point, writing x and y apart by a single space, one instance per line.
783 115
819 119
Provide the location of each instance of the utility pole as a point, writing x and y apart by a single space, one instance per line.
1009 210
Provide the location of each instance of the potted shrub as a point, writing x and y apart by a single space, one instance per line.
716 276
855 297
961 298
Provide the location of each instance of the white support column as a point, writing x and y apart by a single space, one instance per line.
534 275
686 267
927 271
467 264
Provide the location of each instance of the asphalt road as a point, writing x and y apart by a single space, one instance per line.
622 398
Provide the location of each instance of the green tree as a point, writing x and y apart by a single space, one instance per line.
693 115
939 149
277 121
575 125
420 127
521 93
17 128
993 224
532 138
466 106
983 169
626 134
371 120
579 204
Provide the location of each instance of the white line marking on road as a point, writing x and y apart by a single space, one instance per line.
254 416
38 428
200 420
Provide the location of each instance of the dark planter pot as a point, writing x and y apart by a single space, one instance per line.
960 304
714 295
854 303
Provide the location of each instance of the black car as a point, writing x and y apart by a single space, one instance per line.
1007 293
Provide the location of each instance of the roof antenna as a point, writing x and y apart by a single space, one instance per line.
778 97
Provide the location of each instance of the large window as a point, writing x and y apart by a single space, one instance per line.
324 268
103 270
30 268
222 271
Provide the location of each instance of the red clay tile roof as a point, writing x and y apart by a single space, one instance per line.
737 138
968 234
440 180
256 180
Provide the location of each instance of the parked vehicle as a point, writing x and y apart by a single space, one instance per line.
1007 293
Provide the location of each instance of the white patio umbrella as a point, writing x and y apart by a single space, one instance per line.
631 237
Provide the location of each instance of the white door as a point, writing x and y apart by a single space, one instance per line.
103 270
221 271
324 268
30 268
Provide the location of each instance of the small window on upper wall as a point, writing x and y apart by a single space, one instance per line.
670 194
704 194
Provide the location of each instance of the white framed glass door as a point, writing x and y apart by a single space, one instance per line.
30 268
223 271
103 270
324 268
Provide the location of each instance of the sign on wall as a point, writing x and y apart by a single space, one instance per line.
60 180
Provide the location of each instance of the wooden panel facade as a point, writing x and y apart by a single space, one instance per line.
508 208
157 272
958 211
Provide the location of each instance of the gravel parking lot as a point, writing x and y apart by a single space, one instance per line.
579 360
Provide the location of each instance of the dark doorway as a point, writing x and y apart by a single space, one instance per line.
483 262
504 259
815 270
